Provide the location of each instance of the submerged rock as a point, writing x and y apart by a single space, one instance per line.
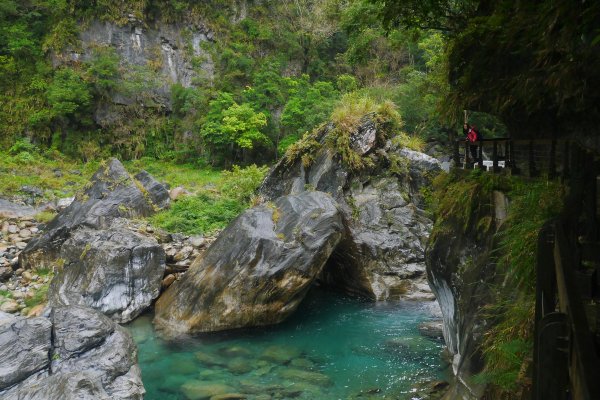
112 193
315 378
381 255
198 390
258 270
74 353
115 271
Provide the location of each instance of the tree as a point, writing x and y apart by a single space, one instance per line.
533 64
68 95
242 125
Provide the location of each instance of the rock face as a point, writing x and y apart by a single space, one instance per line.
172 50
460 271
98 263
112 193
258 270
381 255
115 271
74 353
24 347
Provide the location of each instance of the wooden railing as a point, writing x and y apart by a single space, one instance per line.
522 156
566 360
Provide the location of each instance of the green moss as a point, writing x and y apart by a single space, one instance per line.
45 216
40 296
85 251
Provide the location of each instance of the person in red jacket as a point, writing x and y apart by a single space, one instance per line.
471 135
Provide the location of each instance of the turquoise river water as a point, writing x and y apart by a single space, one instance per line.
333 347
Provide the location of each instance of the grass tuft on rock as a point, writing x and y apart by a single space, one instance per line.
351 112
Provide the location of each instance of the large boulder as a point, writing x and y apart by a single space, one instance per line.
24 348
112 193
74 353
115 271
381 255
258 270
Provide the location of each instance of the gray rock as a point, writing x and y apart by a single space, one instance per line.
5 273
12 210
87 356
158 192
381 255
10 306
115 271
461 269
138 43
67 386
112 193
432 329
24 348
32 191
258 270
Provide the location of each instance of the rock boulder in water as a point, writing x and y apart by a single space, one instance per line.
75 353
381 255
112 193
115 271
258 270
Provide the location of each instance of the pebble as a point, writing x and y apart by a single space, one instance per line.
25 233
21 245
196 241
27 276
10 306
12 229
168 281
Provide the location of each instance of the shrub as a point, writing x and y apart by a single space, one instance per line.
201 214
241 183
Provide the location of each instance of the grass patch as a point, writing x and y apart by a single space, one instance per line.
213 209
41 296
44 216
56 175
351 112
411 142
200 214
190 176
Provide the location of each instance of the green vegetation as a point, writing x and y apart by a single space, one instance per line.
279 70
39 297
350 112
466 198
54 174
213 207
531 64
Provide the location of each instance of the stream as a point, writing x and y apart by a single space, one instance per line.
333 347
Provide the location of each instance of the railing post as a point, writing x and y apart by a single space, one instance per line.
495 157
552 161
514 169
467 154
532 170
565 161
456 153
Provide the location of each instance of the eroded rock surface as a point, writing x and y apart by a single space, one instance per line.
74 353
461 269
381 255
115 271
112 193
258 270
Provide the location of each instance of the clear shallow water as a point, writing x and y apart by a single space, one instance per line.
333 347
